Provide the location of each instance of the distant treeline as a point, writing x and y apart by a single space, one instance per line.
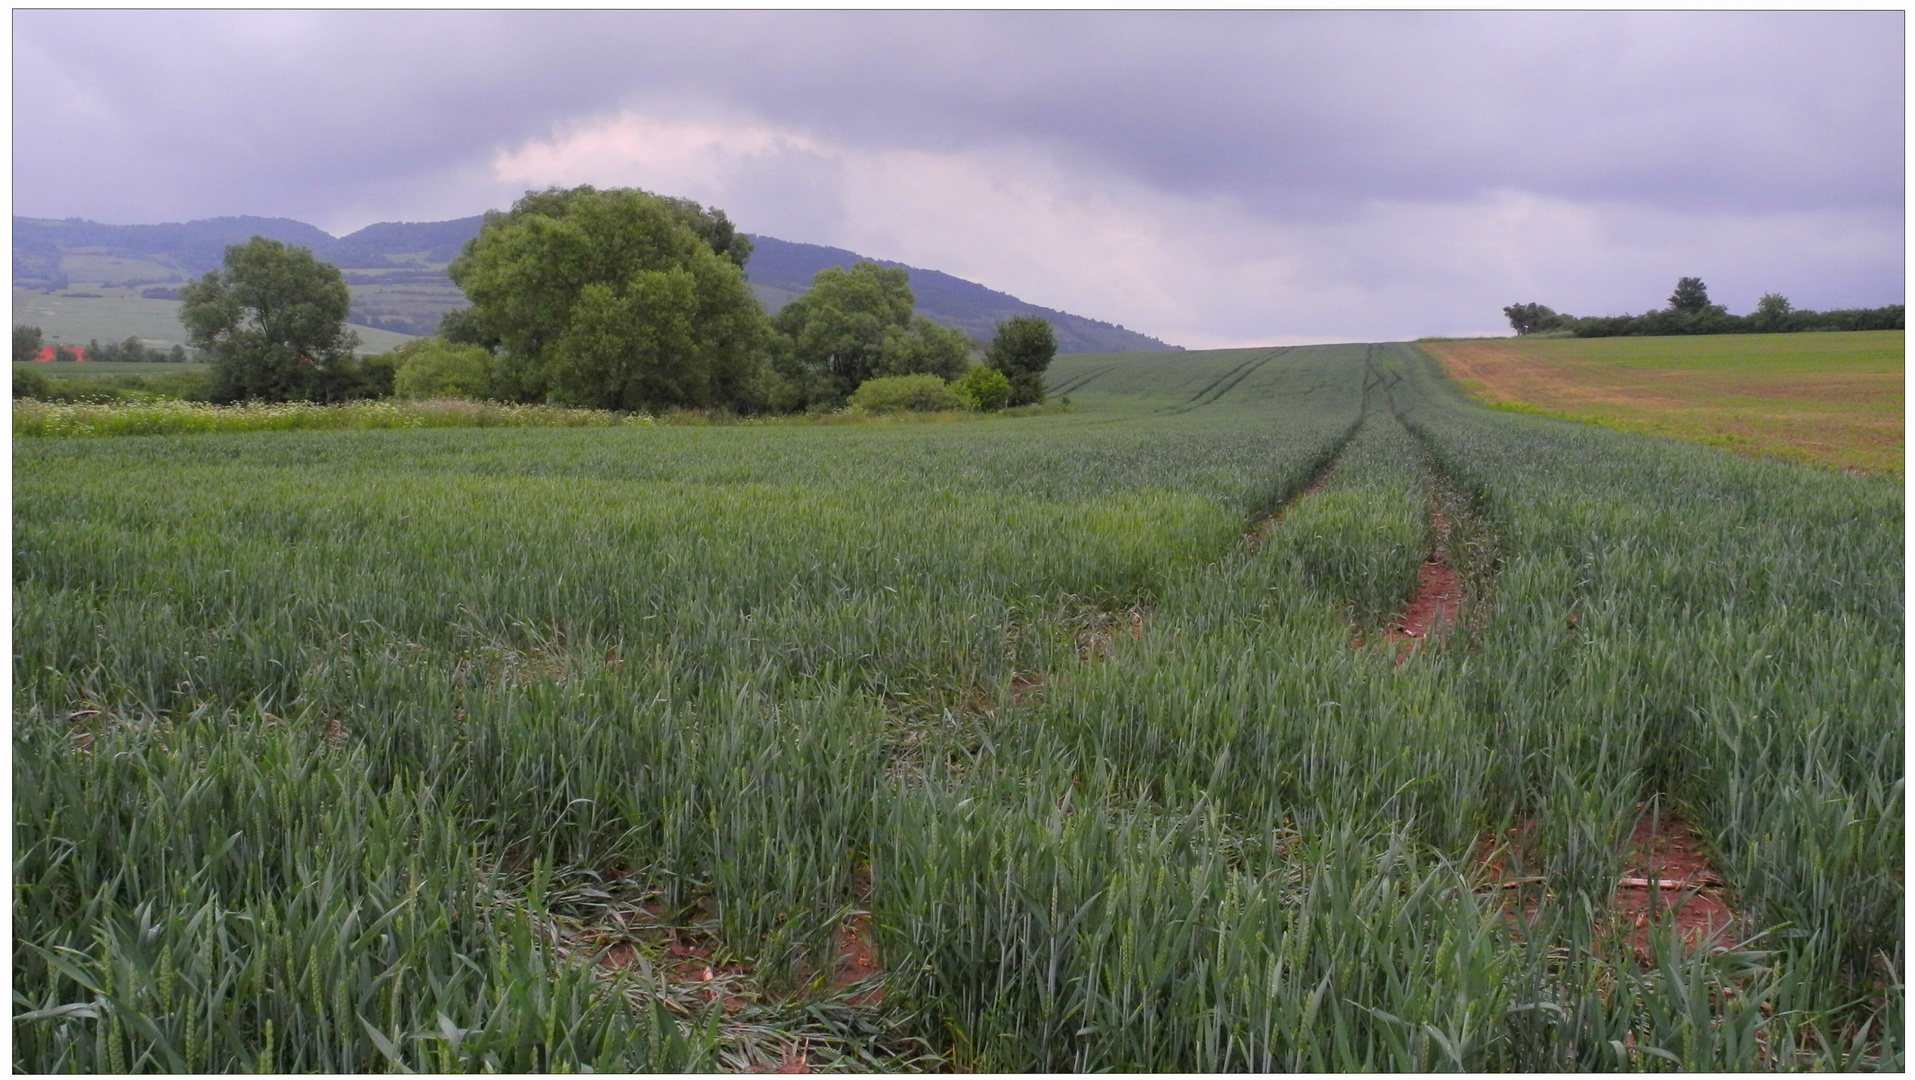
135 351
29 343
1691 312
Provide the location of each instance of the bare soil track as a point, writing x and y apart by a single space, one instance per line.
1439 596
1669 872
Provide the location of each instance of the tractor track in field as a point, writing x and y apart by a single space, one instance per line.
1668 871
1081 381
1097 637
1668 879
1228 381
1455 582
1438 600
1319 480
1231 383
1441 589
1197 398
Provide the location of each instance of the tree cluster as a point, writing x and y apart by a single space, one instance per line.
855 324
1691 312
27 342
622 299
134 351
616 299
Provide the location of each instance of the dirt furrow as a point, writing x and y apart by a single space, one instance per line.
1438 599
1669 872
1261 530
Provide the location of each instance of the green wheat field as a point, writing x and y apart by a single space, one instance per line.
1061 742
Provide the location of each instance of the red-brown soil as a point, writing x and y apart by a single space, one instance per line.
793 1061
1504 862
1439 596
1668 871
619 955
689 960
858 960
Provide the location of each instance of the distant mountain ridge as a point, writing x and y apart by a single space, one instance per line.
401 243
414 254
194 247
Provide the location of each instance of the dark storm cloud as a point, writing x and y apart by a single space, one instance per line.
1289 112
1573 158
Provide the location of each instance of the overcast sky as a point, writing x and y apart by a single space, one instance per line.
1209 178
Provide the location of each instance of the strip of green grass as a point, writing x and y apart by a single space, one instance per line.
1730 354
97 370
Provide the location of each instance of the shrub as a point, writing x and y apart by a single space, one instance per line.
434 367
984 388
29 384
163 386
905 393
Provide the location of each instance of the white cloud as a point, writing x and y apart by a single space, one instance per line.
1207 271
754 171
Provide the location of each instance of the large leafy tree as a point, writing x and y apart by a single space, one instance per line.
832 337
925 348
1022 349
615 299
713 227
274 323
855 324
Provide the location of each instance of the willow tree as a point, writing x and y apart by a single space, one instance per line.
614 300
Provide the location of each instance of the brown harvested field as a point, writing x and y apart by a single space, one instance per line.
1830 398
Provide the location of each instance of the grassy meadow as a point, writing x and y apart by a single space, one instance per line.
1048 742
62 371
112 313
106 419
1830 398
86 312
